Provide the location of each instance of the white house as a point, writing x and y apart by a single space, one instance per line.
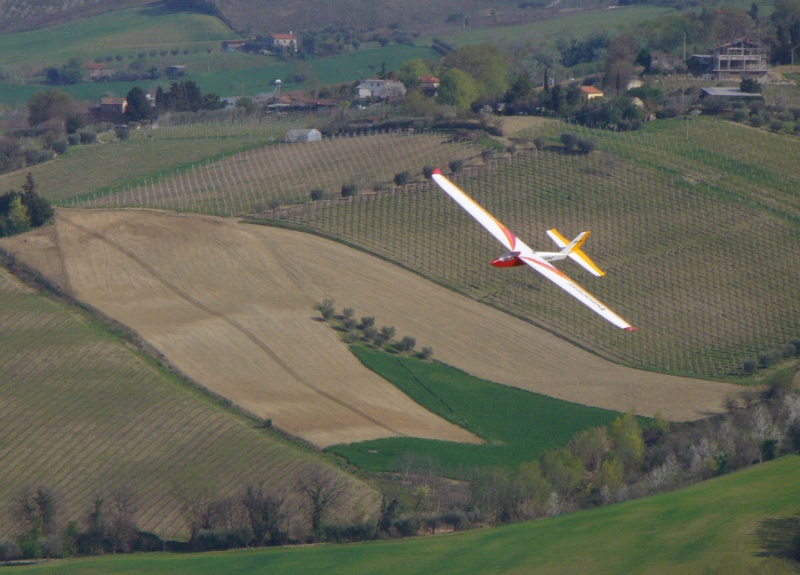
302 135
383 89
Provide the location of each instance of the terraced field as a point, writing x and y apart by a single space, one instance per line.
83 415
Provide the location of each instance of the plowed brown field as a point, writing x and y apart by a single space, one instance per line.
231 305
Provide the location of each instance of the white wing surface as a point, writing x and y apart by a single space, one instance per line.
510 241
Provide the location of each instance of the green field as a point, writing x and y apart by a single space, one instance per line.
715 527
517 425
123 32
85 414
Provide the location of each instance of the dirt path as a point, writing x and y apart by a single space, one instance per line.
231 305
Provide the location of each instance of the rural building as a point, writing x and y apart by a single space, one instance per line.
97 71
590 93
111 110
302 135
233 45
733 60
729 94
381 89
280 41
429 85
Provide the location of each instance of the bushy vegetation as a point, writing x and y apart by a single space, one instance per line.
21 211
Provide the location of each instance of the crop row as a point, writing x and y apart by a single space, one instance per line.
685 258
82 414
286 174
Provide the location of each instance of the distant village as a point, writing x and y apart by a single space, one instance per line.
729 62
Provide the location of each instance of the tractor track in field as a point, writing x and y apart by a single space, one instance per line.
187 297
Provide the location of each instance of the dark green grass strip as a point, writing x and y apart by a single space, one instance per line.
516 425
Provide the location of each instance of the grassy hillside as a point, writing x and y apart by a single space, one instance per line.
239 183
123 33
84 414
676 209
718 526
517 425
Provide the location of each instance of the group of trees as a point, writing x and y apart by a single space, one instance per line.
21 211
254 516
631 458
365 330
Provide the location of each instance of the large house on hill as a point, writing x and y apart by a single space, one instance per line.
733 60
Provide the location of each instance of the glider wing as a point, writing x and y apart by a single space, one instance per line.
527 255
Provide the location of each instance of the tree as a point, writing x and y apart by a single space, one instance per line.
521 89
17 220
485 64
322 490
138 108
411 71
401 178
562 469
458 89
264 515
72 72
628 442
40 211
590 445
48 105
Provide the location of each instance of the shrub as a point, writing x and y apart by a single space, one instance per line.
427 171
37 156
349 189
407 526
585 145
326 309
317 194
456 166
87 137
60 145
569 140
749 366
401 178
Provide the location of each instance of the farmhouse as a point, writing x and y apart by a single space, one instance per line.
737 59
429 85
97 71
111 110
590 93
381 89
280 41
302 135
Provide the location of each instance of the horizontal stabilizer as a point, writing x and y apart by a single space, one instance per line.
575 252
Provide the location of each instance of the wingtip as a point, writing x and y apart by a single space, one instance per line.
436 172
631 328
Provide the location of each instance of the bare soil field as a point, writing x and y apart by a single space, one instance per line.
231 305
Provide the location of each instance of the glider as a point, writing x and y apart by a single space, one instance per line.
520 254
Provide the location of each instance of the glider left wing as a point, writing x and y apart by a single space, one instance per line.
527 255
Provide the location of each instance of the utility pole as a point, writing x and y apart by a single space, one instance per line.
684 46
